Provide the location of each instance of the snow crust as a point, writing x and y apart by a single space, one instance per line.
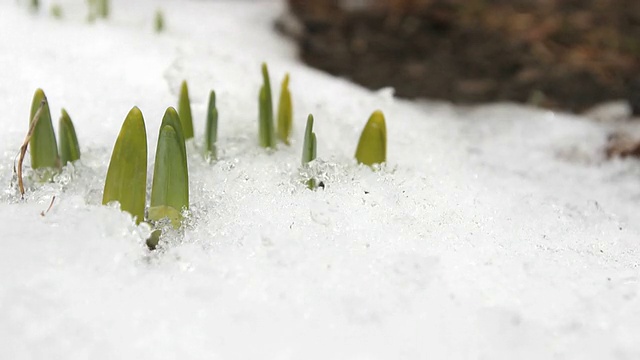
494 232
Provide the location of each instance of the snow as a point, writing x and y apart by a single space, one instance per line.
494 232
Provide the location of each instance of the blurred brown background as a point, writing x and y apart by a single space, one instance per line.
566 54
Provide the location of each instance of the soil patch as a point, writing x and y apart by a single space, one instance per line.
565 54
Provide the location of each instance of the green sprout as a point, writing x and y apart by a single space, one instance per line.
56 11
98 8
44 149
372 147
69 148
103 8
211 131
266 133
170 188
285 117
158 21
309 148
184 110
127 175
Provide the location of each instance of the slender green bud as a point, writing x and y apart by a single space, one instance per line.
170 188
372 147
309 148
158 21
285 113
69 147
266 128
211 131
56 11
103 8
127 175
44 149
184 110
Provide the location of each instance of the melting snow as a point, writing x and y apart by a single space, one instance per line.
494 232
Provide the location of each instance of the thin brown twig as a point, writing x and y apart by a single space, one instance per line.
25 145
50 206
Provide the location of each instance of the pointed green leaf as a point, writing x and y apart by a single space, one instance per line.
69 148
372 147
127 175
184 109
211 132
266 81
170 174
266 128
285 113
309 146
44 149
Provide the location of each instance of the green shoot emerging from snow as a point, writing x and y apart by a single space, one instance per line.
266 131
372 147
309 148
158 21
127 175
184 110
56 11
103 8
44 149
170 188
285 113
98 9
211 131
69 148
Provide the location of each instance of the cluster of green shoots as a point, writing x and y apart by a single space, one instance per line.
48 155
126 178
96 8
372 146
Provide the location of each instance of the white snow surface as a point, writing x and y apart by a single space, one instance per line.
494 232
